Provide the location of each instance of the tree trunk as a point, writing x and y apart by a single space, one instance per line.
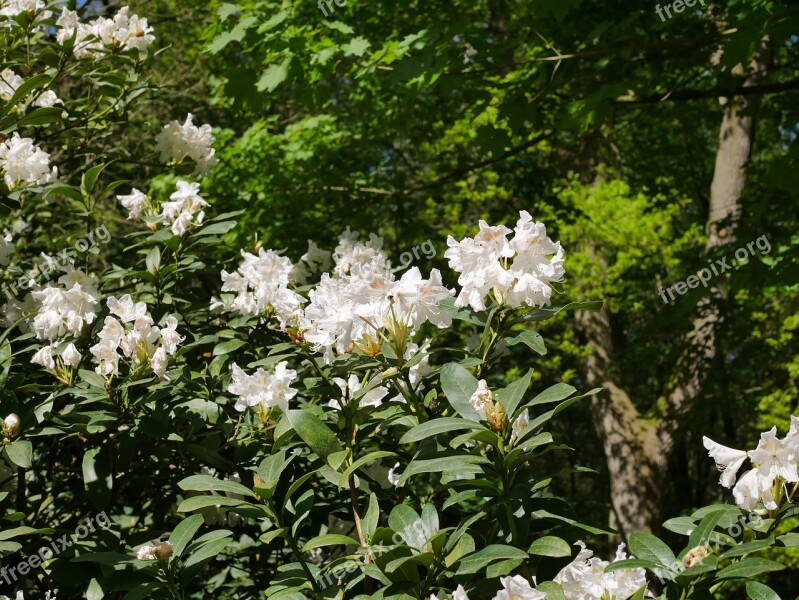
638 452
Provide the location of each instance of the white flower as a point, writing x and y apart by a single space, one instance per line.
775 458
316 258
9 82
5 249
349 389
775 463
483 264
71 356
123 31
585 577
262 284
65 309
158 362
22 162
482 398
351 252
107 357
48 99
13 8
145 553
263 388
178 141
394 474
125 309
170 338
185 208
44 357
420 299
518 588
137 202
519 425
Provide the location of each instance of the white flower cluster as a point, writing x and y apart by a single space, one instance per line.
485 265
775 464
585 577
23 163
66 308
178 141
582 579
137 336
262 284
121 32
364 296
184 209
349 306
263 389
13 8
10 81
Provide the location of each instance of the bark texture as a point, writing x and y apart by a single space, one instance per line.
638 451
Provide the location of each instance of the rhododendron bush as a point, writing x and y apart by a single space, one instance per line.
255 424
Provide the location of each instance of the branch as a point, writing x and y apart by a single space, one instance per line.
727 92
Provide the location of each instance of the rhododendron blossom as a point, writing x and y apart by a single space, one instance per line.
775 464
485 266
177 141
121 32
263 389
21 162
585 578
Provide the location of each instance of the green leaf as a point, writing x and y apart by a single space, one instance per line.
372 516
436 427
531 339
207 551
314 432
273 76
748 568
647 547
90 178
458 386
550 546
356 46
183 534
760 591
20 452
556 393
511 396
207 483
479 560
450 464
371 457
329 539
228 347
206 500
702 533
41 116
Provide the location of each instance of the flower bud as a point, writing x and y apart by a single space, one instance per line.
11 426
496 416
696 555
163 551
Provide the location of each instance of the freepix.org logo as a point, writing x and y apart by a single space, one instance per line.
52 548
